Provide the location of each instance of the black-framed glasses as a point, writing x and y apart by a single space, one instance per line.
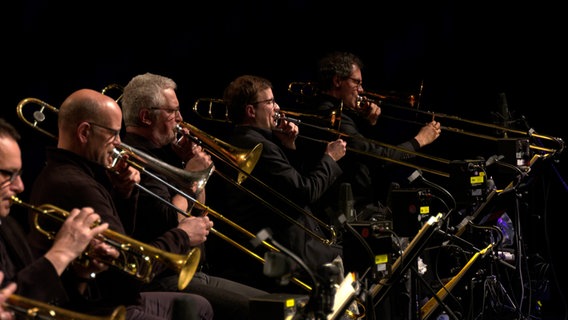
271 101
12 175
115 133
167 110
358 82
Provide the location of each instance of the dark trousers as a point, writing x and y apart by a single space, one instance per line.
230 299
170 305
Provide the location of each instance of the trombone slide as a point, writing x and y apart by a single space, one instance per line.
34 309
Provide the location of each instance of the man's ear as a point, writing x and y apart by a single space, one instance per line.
144 116
83 131
250 111
336 81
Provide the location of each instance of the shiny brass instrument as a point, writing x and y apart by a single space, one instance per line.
309 89
135 258
33 309
188 180
242 158
139 160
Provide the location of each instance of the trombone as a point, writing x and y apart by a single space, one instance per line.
34 309
136 257
305 89
143 157
202 135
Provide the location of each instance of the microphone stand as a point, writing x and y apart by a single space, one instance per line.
312 310
366 295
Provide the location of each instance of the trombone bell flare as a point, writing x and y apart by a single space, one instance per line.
244 159
187 179
186 266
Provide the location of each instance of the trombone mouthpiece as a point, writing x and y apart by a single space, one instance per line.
116 155
282 116
365 99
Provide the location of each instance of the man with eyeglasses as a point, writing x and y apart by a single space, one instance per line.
340 88
254 114
39 277
82 170
152 118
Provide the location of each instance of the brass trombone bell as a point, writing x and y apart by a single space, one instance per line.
184 178
34 309
135 258
244 159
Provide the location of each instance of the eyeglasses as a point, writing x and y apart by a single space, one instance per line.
268 101
168 110
115 133
13 175
358 82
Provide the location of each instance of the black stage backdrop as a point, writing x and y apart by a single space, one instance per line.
465 56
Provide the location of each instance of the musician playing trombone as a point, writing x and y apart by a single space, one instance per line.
40 277
82 170
152 117
253 111
339 87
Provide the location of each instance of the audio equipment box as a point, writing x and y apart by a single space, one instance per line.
468 181
277 306
376 250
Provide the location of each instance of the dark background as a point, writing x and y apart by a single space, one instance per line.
464 54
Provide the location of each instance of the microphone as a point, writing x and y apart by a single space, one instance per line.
266 234
330 274
414 175
504 110
493 159
346 202
277 265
